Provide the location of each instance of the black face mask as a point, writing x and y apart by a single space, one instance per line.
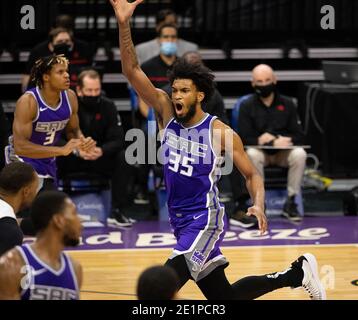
62 48
265 91
91 102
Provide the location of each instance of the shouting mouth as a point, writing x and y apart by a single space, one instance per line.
178 108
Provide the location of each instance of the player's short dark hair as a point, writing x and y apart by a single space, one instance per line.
202 76
157 283
44 65
45 206
16 176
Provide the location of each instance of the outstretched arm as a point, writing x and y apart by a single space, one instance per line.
230 142
153 97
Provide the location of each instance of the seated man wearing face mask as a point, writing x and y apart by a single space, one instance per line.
149 49
60 41
98 115
268 118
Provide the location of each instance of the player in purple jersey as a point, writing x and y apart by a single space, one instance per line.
193 143
42 114
41 270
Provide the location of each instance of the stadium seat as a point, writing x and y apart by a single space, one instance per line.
91 193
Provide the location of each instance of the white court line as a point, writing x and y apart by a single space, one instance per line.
223 247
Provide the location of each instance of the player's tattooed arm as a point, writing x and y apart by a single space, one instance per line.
130 67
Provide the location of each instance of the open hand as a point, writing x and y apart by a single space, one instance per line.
283 142
87 144
70 146
259 213
124 9
265 138
92 155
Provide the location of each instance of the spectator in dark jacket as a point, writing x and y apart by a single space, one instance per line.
61 40
98 116
270 119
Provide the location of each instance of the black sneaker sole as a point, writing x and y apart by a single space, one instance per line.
295 219
242 224
114 223
138 201
225 199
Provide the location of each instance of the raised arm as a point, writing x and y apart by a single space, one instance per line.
153 97
228 141
25 113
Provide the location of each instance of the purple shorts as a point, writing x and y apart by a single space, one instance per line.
199 237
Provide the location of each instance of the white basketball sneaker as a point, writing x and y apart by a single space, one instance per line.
311 282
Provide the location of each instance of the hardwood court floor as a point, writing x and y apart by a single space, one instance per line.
112 274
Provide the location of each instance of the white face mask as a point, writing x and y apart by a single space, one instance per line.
169 48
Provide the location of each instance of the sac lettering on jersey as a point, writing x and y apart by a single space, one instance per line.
51 126
182 144
52 293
